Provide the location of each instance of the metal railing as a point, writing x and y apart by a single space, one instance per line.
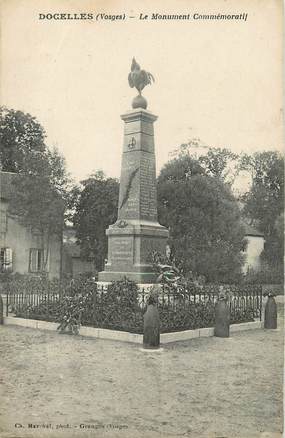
179 310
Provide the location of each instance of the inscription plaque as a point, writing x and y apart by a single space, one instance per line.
148 201
121 250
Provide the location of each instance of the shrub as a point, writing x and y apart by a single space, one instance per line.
183 317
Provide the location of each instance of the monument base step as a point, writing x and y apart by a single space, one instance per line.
138 277
146 287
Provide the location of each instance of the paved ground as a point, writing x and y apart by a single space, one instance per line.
79 387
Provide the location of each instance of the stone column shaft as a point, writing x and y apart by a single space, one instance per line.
136 232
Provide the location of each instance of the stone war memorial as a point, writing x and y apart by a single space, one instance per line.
136 232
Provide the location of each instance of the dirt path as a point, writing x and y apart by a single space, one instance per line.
95 388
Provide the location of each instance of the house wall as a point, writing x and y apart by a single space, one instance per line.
75 265
80 266
252 254
21 240
66 262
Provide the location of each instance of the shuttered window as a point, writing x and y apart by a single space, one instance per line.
6 259
36 260
3 221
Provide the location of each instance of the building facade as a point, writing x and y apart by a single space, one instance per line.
73 264
21 248
255 246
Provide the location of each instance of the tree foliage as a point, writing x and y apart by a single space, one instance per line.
40 187
221 163
20 135
218 162
40 195
203 217
96 207
263 203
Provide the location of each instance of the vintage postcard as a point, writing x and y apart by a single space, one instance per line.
141 218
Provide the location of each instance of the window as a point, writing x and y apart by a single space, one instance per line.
6 259
36 260
3 221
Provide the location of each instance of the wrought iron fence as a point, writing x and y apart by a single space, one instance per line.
123 309
32 305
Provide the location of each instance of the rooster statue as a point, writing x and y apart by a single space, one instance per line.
139 79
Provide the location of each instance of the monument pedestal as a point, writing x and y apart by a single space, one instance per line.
129 249
137 232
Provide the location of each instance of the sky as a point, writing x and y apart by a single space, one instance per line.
220 81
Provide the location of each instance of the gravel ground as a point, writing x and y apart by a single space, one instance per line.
80 387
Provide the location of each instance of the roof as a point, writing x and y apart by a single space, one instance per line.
6 187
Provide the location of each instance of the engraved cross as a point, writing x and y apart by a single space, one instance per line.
132 143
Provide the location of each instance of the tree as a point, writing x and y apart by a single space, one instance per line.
206 234
96 208
20 135
40 194
221 163
263 203
218 162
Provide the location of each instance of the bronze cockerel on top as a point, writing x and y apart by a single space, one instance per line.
139 79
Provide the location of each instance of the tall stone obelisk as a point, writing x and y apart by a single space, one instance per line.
137 231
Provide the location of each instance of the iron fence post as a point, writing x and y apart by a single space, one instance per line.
1 310
259 295
7 303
